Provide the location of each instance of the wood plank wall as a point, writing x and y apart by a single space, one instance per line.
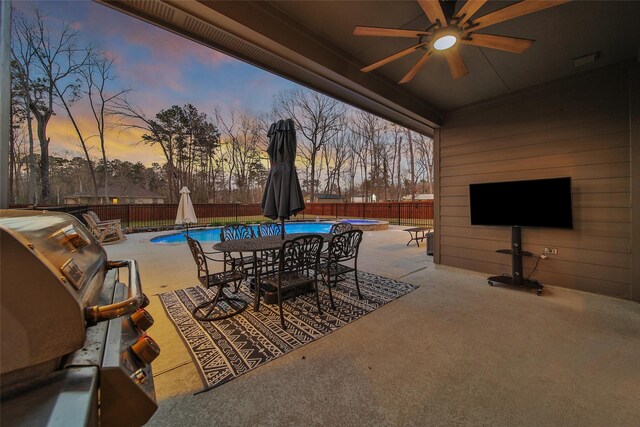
576 127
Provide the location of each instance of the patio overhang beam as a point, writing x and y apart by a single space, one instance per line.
260 34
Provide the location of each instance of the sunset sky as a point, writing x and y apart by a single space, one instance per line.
162 68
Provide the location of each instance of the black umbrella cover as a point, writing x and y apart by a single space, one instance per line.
282 195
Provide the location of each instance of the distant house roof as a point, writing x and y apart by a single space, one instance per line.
120 190
423 196
328 196
324 196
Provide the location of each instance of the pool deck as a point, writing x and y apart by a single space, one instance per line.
454 352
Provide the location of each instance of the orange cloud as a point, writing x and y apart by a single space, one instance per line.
123 144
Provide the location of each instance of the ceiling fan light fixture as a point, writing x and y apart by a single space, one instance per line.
445 42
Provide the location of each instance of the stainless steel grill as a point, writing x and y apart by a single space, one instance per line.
74 347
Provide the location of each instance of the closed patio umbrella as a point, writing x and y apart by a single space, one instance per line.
186 215
282 195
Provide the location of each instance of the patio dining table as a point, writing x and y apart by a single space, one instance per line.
262 244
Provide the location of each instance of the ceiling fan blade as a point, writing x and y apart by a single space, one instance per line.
518 9
388 32
393 57
508 44
433 10
456 64
467 11
417 67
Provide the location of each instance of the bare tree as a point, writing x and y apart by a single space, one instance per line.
369 130
412 165
318 119
424 162
336 154
243 141
97 74
23 53
67 97
352 166
54 64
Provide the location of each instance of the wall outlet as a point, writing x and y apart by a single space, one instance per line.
551 251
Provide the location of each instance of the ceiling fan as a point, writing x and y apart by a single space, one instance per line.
449 29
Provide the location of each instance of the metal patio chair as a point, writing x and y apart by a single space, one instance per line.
212 309
270 229
237 232
337 228
298 261
340 227
270 258
343 247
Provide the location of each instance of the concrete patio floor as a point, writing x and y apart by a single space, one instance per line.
454 352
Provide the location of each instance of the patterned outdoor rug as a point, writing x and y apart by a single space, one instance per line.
226 349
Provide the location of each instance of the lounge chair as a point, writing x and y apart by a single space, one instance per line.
106 232
98 221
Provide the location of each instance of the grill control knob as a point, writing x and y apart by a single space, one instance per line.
146 349
145 301
142 319
139 376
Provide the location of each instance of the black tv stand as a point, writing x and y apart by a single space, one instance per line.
516 253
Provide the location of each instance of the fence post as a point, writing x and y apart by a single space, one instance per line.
399 212
236 209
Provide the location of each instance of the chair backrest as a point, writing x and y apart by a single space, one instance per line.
90 221
344 246
340 227
270 229
93 215
236 232
199 258
300 254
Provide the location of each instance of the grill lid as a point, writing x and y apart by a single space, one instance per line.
51 268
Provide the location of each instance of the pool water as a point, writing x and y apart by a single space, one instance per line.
213 234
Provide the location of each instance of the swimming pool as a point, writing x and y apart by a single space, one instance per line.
213 234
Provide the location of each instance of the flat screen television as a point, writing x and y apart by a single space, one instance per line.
532 203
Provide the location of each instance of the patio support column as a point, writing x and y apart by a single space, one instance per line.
436 196
634 142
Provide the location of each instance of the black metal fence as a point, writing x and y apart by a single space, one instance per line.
414 214
164 215
411 214
75 210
